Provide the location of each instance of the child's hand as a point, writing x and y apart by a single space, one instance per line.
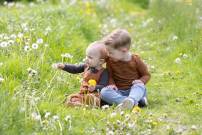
58 66
137 81
112 87
91 88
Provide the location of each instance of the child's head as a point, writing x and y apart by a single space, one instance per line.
118 43
96 54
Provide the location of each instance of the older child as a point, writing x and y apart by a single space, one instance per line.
95 77
128 73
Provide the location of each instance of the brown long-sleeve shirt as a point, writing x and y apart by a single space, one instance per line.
123 73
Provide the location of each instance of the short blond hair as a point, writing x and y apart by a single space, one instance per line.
99 47
118 38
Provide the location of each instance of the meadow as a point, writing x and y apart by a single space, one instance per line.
167 34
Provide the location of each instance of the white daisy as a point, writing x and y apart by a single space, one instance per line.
27 48
39 41
4 44
66 55
1 79
35 116
68 118
178 60
185 56
55 117
20 35
47 114
104 107
35 46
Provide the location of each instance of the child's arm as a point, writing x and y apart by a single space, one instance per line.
143 70
74 69
104 80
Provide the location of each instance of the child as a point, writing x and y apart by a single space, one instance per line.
128 73
93 72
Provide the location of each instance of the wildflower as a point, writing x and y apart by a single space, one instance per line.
185 56
105 107
55 117
1 79
13 36
47 30
32 72
35 116
68 118
35 46
66 55
27 48
46 45
136 109
3 44
194 127
122 113
110 133
54 66
131 125
177 60
113 114
174 37
92 82
20 35
39 41
47 114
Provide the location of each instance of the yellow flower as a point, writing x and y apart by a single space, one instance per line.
92 82
18 40
136 109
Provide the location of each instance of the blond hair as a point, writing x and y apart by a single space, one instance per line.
118 38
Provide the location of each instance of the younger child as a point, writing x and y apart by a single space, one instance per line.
95 77
128 73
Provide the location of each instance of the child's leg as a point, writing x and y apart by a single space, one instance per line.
112 96
137 92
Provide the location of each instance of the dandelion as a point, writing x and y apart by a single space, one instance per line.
105 107
131 125
113 114
35 116
68 118
184 56
32 72
35 46
20 35
47 30
47 114
46 45
3 44
110 133
55 117
13 36
194 127
1 79
27 48
122 113
178 60
66 55
39 41
174 37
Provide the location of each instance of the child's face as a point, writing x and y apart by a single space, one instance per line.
117 54
93 58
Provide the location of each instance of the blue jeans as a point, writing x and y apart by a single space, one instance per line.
137 92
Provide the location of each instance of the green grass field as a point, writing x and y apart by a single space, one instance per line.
33 36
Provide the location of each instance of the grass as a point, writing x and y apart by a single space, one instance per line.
167 35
